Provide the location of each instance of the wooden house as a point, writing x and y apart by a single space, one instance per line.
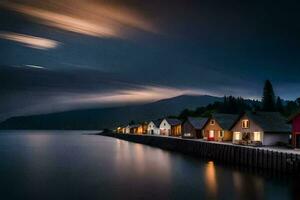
170 127
153 127
120 129
192 127
217 127
295 121
133 129
260 128
142 128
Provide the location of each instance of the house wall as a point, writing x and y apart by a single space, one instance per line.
227 136
296 124
253 127
127 130
140 130
165 128
151 126
215 127
295 131
134 130
188 128
176 130
267 138
273 138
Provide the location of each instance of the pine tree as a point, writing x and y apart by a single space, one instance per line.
268 99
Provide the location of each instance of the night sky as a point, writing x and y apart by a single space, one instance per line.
69 54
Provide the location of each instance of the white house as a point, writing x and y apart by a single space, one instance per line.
170 127
127 129
153 127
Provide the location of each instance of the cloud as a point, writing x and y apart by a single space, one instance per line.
35 66
30 41
129 96
91 18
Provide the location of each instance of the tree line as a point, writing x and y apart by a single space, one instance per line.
236 105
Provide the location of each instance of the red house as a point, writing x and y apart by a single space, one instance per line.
295 120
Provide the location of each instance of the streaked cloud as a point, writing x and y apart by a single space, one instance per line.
141 95
30 41
94 18
35 66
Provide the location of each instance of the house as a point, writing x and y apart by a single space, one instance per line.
142 128
295 121
217 127
192 127
260 128
127 129
170 127
153 127
120 129
133 129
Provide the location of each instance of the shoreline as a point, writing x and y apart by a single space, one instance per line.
261 158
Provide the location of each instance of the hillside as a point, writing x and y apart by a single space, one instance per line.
99 118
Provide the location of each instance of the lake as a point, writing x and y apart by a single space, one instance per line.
73 165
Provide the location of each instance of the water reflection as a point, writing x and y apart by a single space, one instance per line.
98 167
248 187
139 157
211 180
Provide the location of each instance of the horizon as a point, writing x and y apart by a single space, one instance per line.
84 54
120 105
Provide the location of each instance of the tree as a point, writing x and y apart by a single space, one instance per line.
268 99
290 108
185 114
298 101
279 105
132 122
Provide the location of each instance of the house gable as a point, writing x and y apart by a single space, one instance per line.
151 125
188 129
253 126
212 126
164 125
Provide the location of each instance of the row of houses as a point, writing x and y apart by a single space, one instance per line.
249 128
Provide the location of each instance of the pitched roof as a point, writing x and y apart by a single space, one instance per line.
270 121
173 121
134 126
157 122
197 122
225 120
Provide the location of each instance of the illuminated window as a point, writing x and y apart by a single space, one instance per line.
212 122
187 134
245 123
211 133
256 136
221 134
237 136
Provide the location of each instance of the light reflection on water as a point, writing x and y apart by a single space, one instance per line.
70 166
211 180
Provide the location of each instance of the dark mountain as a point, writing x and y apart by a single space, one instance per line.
99 118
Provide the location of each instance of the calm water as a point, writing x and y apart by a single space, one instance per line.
69 165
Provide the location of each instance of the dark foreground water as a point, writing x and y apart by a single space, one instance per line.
68 165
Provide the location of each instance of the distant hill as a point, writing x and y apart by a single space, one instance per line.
99 118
